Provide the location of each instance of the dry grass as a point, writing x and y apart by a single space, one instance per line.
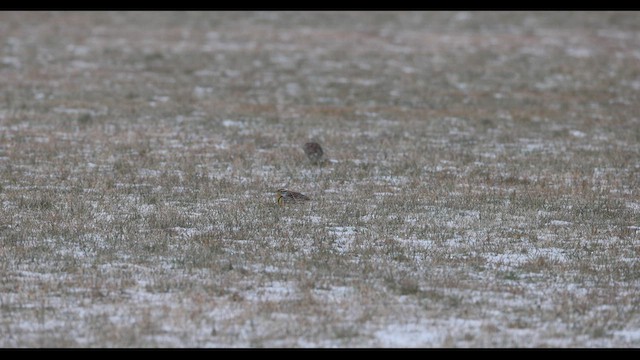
482 188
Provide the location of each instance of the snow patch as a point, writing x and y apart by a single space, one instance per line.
83 65
409 335
64 110
293 89
161 98
232 123
313 219
579 52
506 259
633 205
635 85
628 335
577 133
11 61
342 231
275 291
202 92
462 16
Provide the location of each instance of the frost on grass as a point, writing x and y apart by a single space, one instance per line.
480 188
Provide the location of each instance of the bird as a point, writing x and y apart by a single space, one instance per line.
286 197
314 151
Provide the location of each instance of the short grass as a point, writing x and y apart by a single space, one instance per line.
481 188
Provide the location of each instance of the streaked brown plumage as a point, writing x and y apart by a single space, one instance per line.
287 197
314 151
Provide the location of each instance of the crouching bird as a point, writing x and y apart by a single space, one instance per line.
314 152
290 197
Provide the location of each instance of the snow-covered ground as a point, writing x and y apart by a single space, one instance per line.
480 188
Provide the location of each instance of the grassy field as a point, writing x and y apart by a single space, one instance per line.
481 189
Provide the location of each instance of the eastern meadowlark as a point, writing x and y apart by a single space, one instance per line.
287 197
314 151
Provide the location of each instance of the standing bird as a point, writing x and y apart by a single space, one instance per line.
314 152
288 197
